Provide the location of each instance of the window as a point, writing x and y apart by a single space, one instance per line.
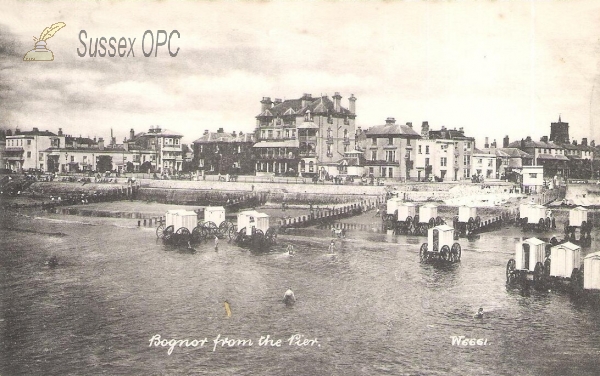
293 133
72 158
278 134
426 149
28 142
28 154
41 166
345 133
263 134
533 176
311 166
373 155
420 149
390 155
443 161
287 133
408 142
270 134
201 148
85 159
480 160
329 153
490 163
176 141
41 157
374 141
345 148
390 140
426 162
467 160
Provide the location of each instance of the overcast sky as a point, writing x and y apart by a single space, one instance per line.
495 68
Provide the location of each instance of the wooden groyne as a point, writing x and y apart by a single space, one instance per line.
324 215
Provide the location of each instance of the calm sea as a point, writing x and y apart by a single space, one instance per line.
373 309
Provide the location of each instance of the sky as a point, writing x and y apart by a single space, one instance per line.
495 68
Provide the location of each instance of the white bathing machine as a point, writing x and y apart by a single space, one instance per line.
214 214
524 210
251 219
181 219
406 210
578 216
591 275
466 212
428 212
564 259
440 245
530 253
535 213
392 205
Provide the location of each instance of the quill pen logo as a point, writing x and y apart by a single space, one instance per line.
41 52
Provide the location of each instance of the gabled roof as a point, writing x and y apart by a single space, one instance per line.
293 107
388 130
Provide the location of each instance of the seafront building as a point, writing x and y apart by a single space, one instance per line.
163 145
306 136
224 153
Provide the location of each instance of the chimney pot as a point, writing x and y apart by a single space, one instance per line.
409 124
205 131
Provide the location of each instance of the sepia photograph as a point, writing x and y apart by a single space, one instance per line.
299 187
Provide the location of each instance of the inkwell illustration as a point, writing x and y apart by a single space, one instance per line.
40 52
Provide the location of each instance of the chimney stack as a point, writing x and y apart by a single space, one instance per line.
574 142
60 133
461 130
35 129
409 124
220 130
544 139
593 143
101 143
131 134
352 104
390 120
443 128
234 134
425 130
505 142
337 102
205 132
305 98
584 141
266 103
486 144
494 145
277 101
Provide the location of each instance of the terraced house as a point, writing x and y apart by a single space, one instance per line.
306 136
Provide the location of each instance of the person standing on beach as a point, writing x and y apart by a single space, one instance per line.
332 247
216 243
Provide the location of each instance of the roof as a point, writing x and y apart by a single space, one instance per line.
392 130
212 137
293 107
34 132
557 157
528 143
162 133
277 144
308 125
593 255
534 241
443 227
580 208
567 245
449 134
508 152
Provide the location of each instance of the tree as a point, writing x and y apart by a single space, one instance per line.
130 167
146 167
104 163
